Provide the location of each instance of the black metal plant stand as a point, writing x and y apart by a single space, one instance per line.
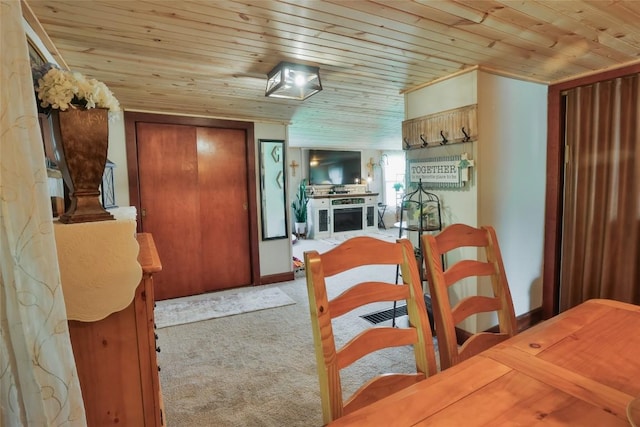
429 219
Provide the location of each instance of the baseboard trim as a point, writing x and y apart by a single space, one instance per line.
525 321
275 278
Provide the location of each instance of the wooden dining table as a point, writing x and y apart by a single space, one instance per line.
579 368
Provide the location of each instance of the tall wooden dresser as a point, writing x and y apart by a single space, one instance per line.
116 355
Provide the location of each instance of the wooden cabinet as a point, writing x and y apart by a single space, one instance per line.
319 219
116 356
370 220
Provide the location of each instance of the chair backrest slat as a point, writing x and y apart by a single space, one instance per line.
366 293
374 339
352 255
472 305
467 268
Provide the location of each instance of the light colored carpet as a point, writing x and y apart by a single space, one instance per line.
196 308
259 368
388 235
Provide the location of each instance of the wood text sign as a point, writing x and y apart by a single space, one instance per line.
437 172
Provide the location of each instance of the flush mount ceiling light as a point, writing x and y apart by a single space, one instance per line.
293 81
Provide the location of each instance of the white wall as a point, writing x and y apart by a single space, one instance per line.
507 186
446 95
376 185
512 117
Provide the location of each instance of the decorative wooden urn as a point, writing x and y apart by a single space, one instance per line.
80 143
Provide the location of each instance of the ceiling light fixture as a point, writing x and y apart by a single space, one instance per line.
293 81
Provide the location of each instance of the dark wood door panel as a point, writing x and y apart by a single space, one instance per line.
224 200
170 204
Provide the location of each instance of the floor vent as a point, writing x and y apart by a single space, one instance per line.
401 310
384 315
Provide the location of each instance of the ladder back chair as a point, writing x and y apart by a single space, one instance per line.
446 317
331 358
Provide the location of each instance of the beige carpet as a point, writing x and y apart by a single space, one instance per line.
389 235
258 368
196 308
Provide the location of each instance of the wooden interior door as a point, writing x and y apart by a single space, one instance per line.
224 231
193 199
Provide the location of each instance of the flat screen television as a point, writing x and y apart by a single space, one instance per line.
334 167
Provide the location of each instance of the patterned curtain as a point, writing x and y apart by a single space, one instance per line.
38 379
601 213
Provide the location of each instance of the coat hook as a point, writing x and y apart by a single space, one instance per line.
407 146
424 141
466 138
444 138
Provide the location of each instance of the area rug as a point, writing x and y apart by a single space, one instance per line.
213 305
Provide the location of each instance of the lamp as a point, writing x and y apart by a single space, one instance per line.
293 81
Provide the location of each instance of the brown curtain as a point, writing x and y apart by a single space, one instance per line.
601 213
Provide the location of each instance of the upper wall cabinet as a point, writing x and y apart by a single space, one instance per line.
447 127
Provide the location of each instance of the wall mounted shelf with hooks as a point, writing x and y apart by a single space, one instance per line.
446 128
420 147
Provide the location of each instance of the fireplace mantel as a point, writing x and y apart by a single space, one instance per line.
342 195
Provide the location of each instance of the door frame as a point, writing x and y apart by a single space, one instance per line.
130 120
555 183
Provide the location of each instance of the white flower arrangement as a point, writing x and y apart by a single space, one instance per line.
60 89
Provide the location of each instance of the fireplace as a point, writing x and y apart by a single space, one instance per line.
347 219
347 214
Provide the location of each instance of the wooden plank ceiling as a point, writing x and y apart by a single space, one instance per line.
210 58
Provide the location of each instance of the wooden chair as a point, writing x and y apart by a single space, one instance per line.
358 252
447 317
